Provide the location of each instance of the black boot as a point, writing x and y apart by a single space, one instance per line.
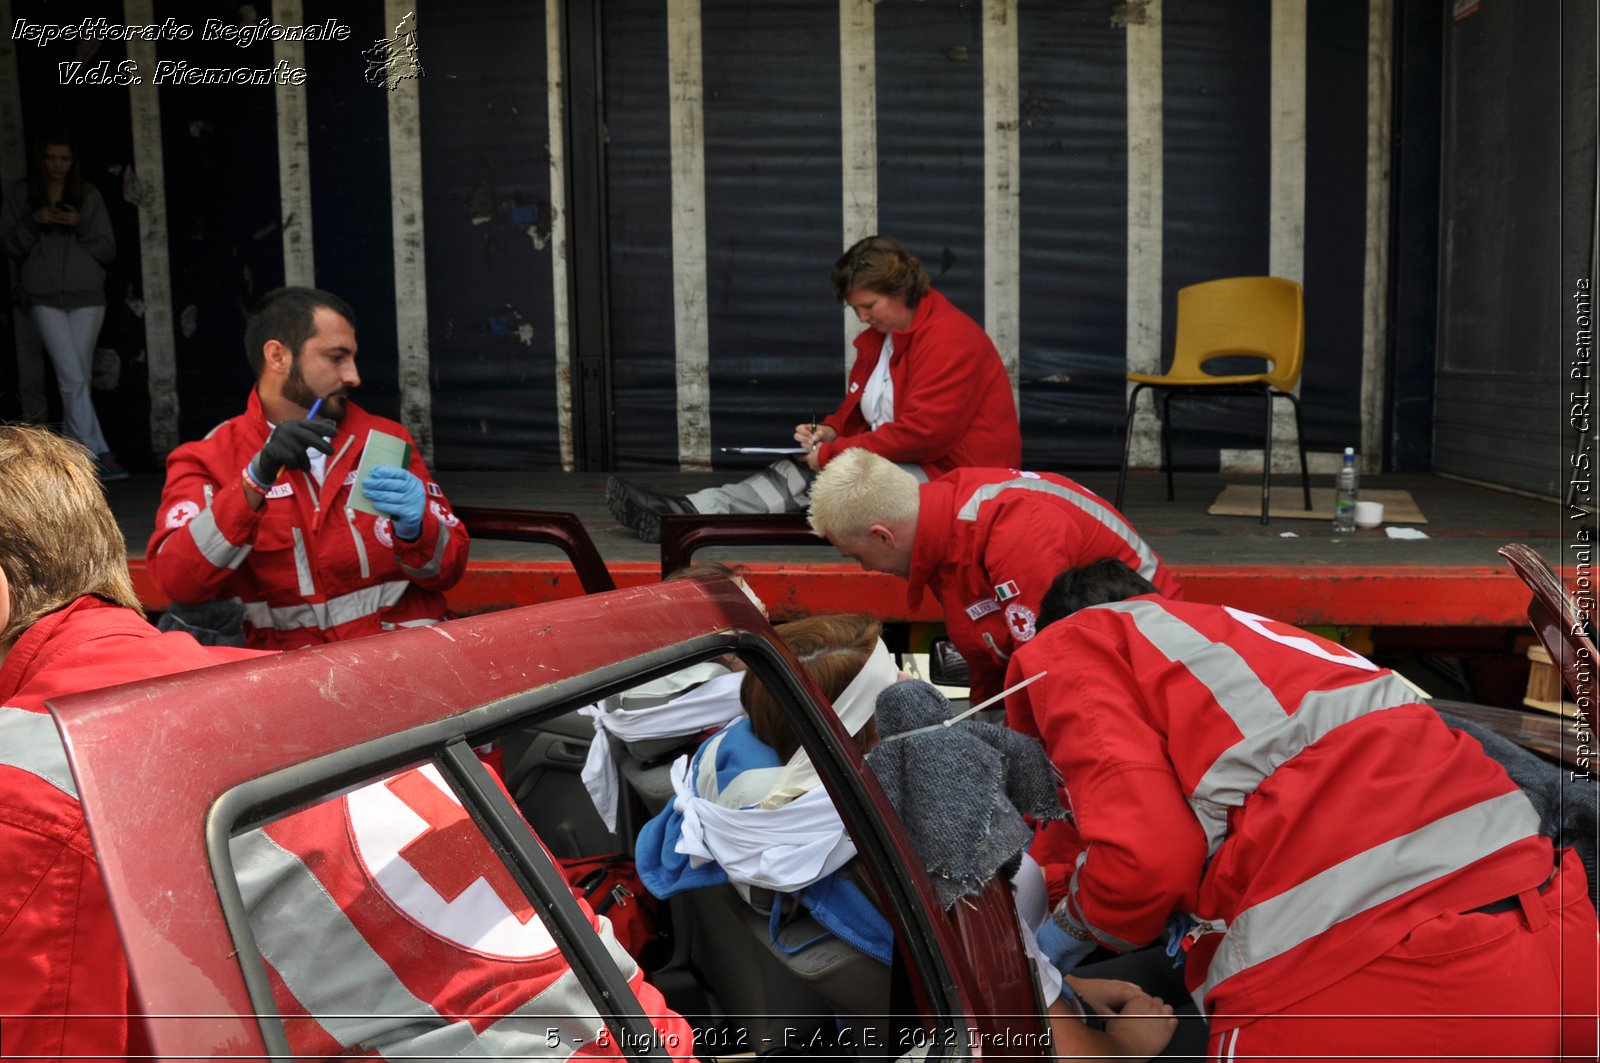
640 508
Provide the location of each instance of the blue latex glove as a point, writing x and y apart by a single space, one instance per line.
399 494
1060 947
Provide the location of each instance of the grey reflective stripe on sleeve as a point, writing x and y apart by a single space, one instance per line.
562 1011
434 566
361 547
30 742
1235 774
302 564
320 955
1072 893
1366 880
1088 503
1270 736
329 614
213 546
354 995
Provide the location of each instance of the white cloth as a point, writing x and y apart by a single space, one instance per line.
683 703
854 707
1033 908
69 336
775 828
783 849
877 395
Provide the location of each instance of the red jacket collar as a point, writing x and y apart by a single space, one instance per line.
934 518
926 306
46 639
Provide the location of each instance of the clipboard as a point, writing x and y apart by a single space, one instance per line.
381 448
774 451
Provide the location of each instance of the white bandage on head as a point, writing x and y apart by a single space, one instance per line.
854 707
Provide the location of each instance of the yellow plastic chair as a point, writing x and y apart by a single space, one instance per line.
1257 317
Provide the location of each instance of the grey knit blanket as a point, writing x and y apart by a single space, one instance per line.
961 790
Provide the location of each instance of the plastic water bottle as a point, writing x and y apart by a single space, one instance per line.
1344 495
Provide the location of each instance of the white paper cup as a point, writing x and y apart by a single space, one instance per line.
1369 514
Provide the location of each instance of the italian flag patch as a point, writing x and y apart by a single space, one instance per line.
1006 591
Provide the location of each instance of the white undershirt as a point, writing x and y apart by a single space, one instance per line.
877 398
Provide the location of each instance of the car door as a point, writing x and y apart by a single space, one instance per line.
177 774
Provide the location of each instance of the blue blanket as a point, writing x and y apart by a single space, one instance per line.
836 902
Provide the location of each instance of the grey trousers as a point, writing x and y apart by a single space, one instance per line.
782 487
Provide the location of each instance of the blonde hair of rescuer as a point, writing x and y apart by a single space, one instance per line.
58 538
858 489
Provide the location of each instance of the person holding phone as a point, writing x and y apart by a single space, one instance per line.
55 224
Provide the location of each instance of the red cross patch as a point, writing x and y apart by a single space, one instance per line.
428 858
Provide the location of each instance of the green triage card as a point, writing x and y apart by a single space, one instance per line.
381 449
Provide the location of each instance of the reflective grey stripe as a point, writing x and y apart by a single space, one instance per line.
1367 880
1086 502
528 1031
331 613
435 566
1236 688
1072 892
1271 736
322 957
562 1011
361 547
355 996
1235 774
30 742
302 564
213 545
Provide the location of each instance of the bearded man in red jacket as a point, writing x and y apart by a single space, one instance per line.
262 510
927 391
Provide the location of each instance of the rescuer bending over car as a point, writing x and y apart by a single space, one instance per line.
260 510
1356 875
986 542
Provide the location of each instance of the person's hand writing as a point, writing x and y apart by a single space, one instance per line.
809 435
401 495
286 448
1143 1027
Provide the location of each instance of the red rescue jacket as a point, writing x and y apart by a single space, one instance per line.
952 399
60 955
390 896
1286 792
990 541
307 568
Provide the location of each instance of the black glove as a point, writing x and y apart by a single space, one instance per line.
286 448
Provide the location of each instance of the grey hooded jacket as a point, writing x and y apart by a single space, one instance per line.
60 267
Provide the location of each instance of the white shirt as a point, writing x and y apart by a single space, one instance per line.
877 398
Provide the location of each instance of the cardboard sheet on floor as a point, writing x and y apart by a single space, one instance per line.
1244 500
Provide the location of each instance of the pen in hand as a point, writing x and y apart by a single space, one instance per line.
813 431
315 406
